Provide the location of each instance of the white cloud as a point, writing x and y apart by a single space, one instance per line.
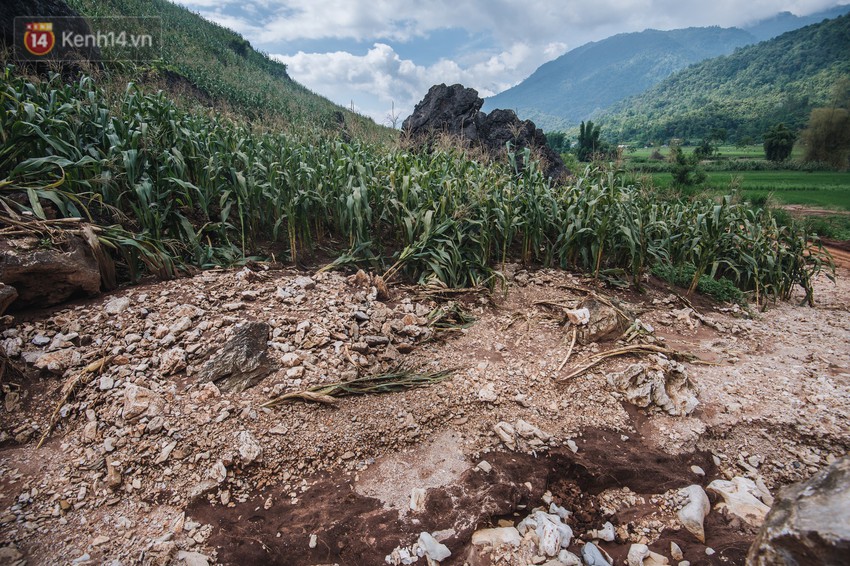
387 78
510 39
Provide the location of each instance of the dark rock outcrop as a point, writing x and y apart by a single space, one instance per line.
48 275
809 522
242 361
456 111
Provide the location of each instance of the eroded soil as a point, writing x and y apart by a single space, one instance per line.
332 485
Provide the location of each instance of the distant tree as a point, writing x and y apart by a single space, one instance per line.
392 117
558 141
589 143
686 170
705 149
827 136
718 134
744 142
778 143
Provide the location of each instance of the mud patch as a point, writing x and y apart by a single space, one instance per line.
351 528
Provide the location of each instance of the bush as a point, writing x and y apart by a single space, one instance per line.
720 289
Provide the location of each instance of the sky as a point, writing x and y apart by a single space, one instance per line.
380 57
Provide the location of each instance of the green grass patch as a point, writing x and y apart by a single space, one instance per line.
720 289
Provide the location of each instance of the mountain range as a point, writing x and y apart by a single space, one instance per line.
587 81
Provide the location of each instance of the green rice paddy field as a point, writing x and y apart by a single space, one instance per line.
821 189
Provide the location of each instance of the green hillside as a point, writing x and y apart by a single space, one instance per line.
590 78
219 66
747 92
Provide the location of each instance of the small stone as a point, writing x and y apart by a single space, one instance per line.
248 446
488 393
592 556
305 283
193 558
106 382
697 470
497 537
692 515
740 499
572 445
417 499
434 550
40 340
348 455
637 552
676 551
117 305
709 551
314 540
484 466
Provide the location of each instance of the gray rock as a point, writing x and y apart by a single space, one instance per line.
592 556
603 321
40 340
809 522
304 282
249 447
117 305
664 384
8 294
433 549
140 401
242 361
697 507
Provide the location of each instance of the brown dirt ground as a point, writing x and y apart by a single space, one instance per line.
778 393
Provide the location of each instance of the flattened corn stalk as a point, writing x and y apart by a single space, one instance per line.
400 379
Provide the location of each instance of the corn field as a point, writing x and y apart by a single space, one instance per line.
169 188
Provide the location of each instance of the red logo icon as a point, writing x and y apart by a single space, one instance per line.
39 39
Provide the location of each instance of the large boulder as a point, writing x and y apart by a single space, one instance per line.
809 522
456 111
242 361
45 275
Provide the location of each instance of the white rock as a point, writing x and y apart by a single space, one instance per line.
117 305
484 466
739 498
290 359
568 558
637 552
314 541
571 444
193 558
606 533
694 512
528 430
676 551
417 499
496 537
248 446
593 556
140 401
488 393
579 317
434 550
507 434
697 470
172 361
549 538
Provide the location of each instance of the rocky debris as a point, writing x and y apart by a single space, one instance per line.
665 384
809 522
248 446
522 436
44 276
141 402
456 111
693 513
241 361
552 534
496 537
740 498
640 555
